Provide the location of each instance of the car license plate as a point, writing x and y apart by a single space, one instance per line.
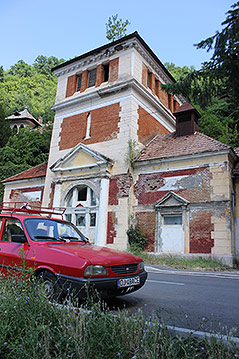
128 282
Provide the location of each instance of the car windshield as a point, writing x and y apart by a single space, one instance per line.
43 229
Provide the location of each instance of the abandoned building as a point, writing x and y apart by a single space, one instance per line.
21 119
122 147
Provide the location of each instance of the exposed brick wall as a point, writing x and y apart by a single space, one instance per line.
71 85
201 231
119 187
20 195
99 75
104 127
144 75
149 187
162 95
147 226
170 102
148 126
152 82
111 231
84 81
113 70
175 105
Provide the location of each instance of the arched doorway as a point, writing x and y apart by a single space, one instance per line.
82 209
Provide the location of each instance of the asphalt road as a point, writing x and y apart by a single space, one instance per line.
194 300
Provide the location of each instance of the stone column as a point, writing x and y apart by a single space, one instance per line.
101 230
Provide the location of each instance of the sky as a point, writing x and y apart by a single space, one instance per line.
69 28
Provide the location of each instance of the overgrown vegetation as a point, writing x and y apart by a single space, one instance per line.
173 261
137 240
32 327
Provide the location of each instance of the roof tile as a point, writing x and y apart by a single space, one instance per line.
168 145
34 172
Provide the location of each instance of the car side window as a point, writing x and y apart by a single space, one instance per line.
13 231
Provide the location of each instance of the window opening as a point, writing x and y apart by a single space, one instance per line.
92 77
93 198
88 126
82 194
106 72
92 219
172 220
78 85
80 220
148 79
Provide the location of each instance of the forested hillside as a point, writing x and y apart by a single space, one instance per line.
33 86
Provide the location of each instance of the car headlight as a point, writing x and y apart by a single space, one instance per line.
141 266
93 270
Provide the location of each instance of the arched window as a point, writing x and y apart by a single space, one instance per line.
82 209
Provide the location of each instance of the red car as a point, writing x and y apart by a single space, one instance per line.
56 252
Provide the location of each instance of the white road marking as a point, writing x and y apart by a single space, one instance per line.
192 273
163 282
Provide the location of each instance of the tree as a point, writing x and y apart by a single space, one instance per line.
45 64
5 130
178 72
21 69
218 79
116 28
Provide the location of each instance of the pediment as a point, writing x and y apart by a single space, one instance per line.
171 199
81 157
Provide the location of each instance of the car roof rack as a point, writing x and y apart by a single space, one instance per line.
29 208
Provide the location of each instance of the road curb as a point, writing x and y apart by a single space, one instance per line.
184 332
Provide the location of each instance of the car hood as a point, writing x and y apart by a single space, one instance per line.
95 254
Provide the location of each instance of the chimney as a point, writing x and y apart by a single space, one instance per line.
186 120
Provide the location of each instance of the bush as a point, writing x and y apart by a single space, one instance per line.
137 239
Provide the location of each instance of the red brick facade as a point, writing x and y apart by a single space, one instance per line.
147 226
119 187
111 232
148 126
71 85
193 185
147 188
201 229
113 70
104 127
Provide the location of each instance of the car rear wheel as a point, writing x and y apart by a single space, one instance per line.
47 284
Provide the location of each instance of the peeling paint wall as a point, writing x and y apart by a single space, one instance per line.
208 228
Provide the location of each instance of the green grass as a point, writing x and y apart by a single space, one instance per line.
32 327
197 263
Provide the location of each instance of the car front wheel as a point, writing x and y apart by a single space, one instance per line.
47 284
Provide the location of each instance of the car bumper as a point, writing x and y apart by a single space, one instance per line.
106 287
